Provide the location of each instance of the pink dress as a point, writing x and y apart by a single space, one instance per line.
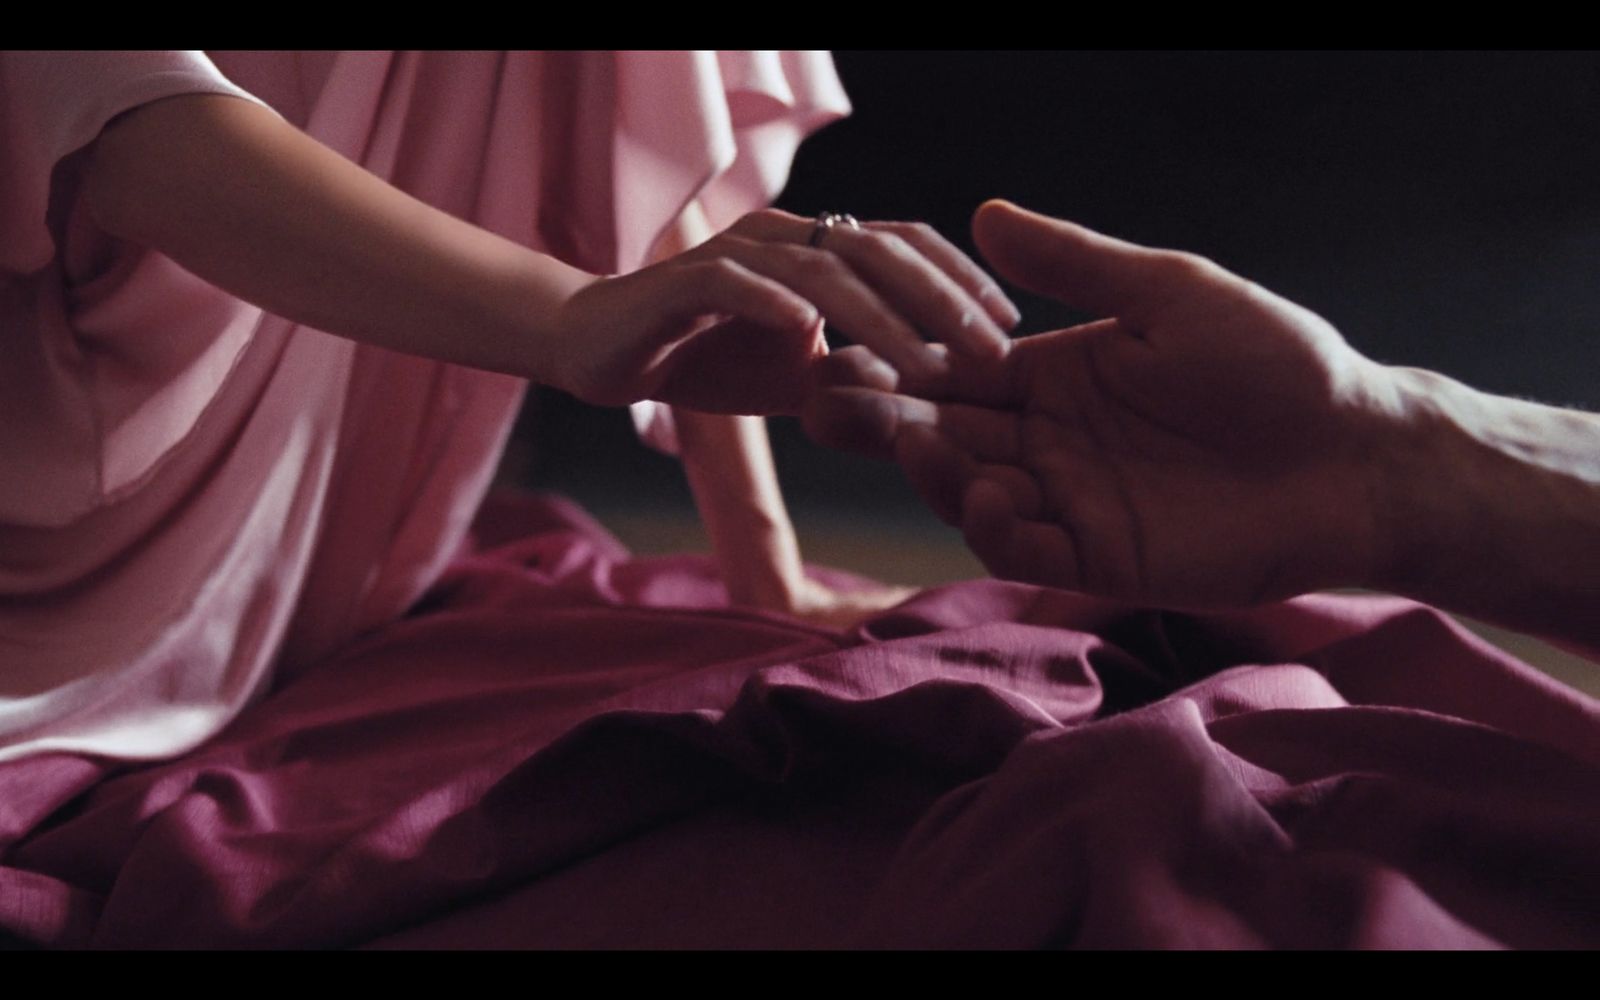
563 746
199 496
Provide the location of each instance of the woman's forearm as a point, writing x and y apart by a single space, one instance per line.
728 461
1496 509
250 203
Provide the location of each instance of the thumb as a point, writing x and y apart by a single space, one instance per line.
1071 264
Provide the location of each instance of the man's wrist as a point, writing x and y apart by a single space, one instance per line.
1493 505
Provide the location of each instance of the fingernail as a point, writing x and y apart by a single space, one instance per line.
928 364
990 340
1010 315
997 338
916 416
883 370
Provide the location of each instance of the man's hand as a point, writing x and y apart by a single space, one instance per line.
1208 444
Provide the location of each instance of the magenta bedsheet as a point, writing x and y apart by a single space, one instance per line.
565 747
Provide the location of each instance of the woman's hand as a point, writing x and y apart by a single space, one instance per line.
250 203
732 325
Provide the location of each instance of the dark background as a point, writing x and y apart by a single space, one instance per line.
1442 209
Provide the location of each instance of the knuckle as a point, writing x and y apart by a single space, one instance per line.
914 232
725 244
815 262
790 254
764 221
885 242
720 269
1180 265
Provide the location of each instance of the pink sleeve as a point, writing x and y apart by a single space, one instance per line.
54 103
720 127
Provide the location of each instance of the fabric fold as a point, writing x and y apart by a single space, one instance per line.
615 759
217 496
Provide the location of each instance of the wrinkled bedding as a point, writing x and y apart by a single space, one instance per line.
563 746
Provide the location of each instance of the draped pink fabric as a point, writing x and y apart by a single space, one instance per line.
212 492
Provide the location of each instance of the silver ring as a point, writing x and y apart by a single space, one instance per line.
825 223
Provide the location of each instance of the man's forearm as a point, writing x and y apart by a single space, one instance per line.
1495 509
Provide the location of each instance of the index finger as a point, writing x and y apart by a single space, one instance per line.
960 268
928 284
918 289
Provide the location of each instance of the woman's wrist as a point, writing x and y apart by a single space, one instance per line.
532 310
